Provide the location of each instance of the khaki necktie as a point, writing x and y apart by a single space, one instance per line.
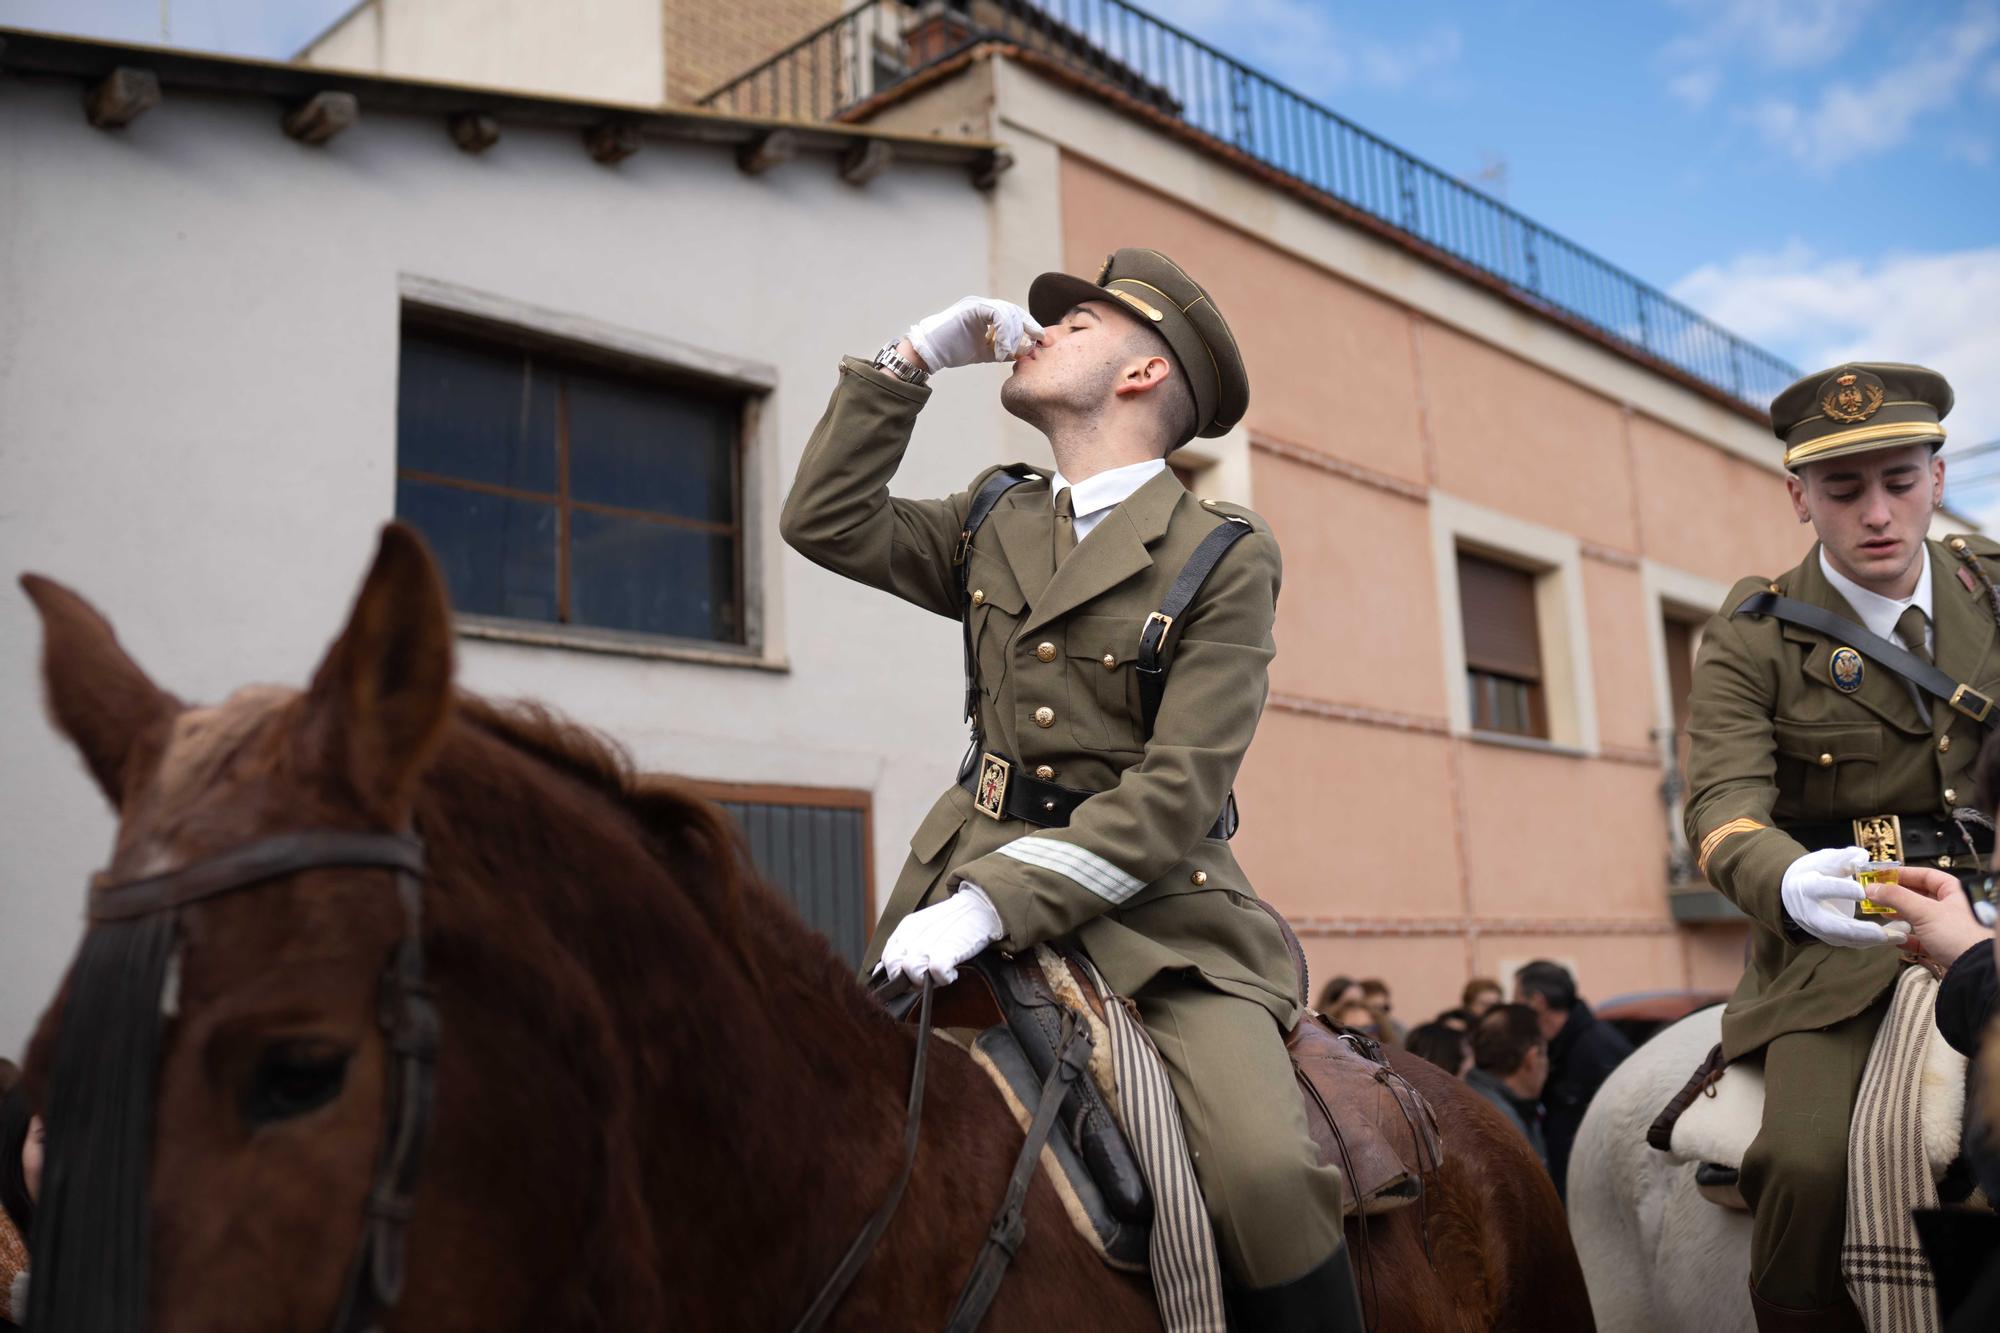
1910 629
1065 524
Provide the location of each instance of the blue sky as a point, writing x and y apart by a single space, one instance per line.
1821 176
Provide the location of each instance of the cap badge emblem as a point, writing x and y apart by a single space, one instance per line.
1855 396
1847 670
1105 272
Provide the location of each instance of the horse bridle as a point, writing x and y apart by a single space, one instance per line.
404 1010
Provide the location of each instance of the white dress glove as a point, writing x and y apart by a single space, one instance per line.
976 329
1821 894
936 939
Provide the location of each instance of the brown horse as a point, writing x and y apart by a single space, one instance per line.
661 1101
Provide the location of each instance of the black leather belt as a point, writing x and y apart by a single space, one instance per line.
1001 790
1924 837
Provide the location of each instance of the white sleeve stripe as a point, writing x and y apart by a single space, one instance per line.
1085 867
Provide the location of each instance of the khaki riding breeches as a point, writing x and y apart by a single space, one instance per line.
1794 1175
1276 1211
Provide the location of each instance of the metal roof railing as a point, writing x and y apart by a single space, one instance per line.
882 43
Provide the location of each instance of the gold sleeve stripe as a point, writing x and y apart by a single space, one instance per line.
1716 836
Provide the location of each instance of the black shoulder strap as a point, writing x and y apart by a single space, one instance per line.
983 500
1152 675
1962 698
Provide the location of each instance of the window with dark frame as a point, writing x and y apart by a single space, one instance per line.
554 489
1503 649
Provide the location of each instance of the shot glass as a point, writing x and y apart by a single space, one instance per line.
1877 872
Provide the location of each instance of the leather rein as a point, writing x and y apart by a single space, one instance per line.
404 1009
1010 1223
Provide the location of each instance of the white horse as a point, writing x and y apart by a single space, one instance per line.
1657 1256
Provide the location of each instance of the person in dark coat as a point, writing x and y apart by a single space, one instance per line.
1582 1054
1964 1248
1510 1066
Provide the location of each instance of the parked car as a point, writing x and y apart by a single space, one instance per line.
1643 1013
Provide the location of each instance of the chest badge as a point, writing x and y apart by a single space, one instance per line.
1847 670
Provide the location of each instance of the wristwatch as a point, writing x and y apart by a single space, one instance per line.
886 359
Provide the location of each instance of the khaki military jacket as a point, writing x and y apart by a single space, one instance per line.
1774 742
1133 876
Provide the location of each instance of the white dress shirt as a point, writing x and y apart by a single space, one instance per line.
1094 497
1879 614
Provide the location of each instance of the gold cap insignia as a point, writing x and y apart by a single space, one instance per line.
1142 307
1853 396
1105 272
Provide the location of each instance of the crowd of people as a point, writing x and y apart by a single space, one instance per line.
1539 1057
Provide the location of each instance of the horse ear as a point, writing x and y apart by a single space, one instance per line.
379 701
97 695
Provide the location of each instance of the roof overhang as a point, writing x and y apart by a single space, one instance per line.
760 142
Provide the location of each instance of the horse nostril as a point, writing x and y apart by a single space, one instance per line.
292 1079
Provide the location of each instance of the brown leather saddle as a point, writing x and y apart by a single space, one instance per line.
1363 1116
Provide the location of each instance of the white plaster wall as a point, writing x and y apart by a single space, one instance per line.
608 50
198 351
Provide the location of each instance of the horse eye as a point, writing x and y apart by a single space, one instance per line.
294 1078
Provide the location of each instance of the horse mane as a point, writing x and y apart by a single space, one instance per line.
691 836
686 828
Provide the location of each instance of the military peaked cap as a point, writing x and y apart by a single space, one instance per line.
1858 408
1155 291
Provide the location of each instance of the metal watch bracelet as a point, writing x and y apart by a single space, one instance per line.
886 359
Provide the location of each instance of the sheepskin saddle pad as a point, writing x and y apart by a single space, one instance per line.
1712 1120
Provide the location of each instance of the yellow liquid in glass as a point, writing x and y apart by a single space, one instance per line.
1885 875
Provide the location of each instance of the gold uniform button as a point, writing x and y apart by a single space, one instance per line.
1110 661
1944 744
1950 796
1044 772
1944 863
1045 717
1208 504
1958 543
979 596
1045 651
1826 761
1199 878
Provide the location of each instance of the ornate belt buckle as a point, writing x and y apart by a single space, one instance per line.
1971 703
989 798
1881 836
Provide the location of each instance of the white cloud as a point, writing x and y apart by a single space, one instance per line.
1298 42
1777 34
1696 87
1939 310
1852 120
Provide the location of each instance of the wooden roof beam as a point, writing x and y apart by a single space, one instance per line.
767 150
865 160
320 117
121 97
612 141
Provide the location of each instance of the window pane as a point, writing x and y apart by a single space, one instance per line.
650 446
498 555
477 415
629 574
